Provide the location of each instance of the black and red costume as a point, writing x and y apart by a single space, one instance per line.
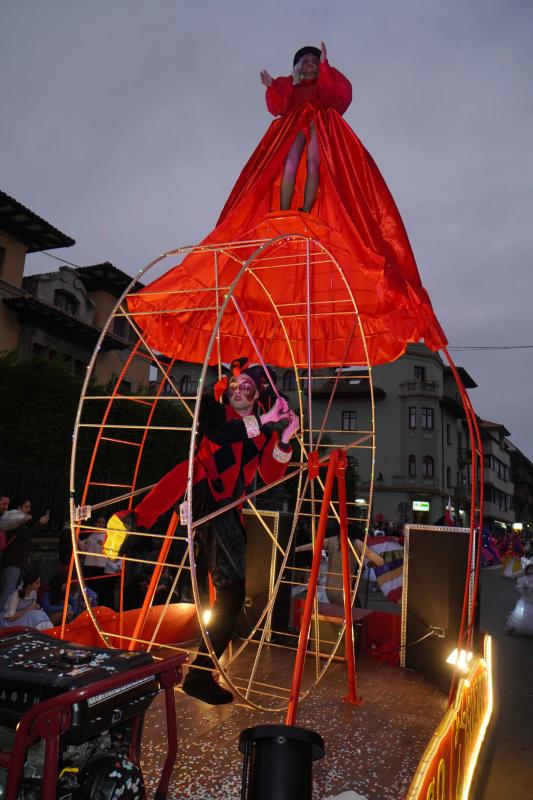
231 451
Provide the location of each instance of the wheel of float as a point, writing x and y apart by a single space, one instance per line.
258 666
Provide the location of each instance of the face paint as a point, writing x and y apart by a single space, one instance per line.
246 387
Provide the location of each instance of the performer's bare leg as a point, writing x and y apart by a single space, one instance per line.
313 170
291 167
289 172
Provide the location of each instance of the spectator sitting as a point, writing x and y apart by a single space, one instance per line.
22 607
16 557
53 599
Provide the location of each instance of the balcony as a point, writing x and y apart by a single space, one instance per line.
419 387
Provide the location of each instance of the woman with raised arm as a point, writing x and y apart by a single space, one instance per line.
313 81
339 195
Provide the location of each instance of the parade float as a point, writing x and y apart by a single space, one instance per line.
322 295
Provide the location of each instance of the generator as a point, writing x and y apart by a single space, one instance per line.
71 718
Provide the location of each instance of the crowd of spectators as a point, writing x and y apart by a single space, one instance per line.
24 599
28 599
18 586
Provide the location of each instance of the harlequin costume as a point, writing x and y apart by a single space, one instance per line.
232 450
359 225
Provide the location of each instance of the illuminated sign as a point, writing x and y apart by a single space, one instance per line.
420 505
445 770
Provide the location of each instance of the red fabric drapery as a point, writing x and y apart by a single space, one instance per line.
354 218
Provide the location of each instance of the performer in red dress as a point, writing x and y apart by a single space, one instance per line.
236 443
313 81
339 183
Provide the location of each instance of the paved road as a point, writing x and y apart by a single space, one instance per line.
505 771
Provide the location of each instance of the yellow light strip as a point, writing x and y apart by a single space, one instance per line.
445 724
470 767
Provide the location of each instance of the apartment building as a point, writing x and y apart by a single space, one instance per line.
60 313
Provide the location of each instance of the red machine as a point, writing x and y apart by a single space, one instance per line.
72 717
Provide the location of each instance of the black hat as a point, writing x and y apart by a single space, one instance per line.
256 373
303 51
259 376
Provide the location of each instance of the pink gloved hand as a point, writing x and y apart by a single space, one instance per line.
292 427
279 410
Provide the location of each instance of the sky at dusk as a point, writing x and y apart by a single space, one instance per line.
125 124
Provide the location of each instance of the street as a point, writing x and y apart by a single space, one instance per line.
505 769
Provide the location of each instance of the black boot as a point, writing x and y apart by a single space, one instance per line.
202 685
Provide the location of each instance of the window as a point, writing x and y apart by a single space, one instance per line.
500 499
428 467
2 260
186 384
65 301
448 477
448 433
289 381
427 418
349 420
412 416
412 466
420 373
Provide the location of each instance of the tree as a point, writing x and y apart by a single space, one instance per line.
39 400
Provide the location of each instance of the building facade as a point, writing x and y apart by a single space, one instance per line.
422 455
522 478
498 510
61 314
419 440
21 232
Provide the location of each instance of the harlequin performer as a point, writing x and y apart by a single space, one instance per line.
338 184
235 443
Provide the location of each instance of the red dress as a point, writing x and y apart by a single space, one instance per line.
359 225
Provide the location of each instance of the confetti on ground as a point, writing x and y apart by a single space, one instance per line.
372 750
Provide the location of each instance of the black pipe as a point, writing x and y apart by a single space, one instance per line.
278 762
